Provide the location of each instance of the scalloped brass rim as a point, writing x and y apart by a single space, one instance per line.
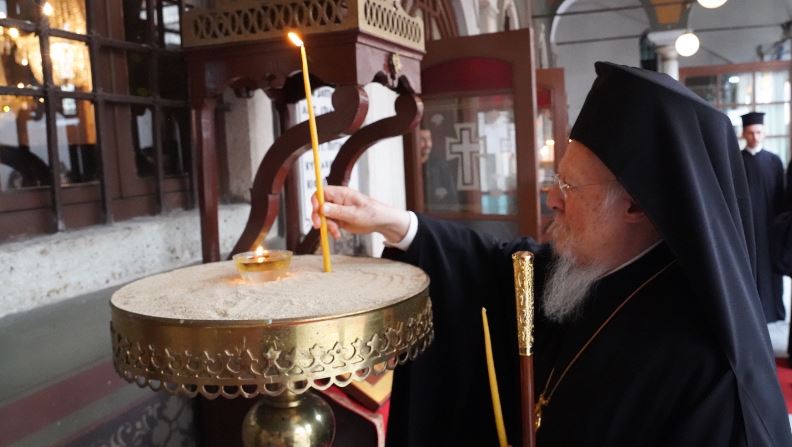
249 358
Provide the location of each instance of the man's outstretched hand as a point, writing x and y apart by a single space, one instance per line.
348 209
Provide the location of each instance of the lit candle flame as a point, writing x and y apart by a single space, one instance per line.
47 9
295 38
13 32
260 254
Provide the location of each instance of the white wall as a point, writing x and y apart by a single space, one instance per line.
578 59
381 168
246 144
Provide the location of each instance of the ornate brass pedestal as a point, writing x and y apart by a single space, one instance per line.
318 340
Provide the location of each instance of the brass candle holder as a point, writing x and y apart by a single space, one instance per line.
201 330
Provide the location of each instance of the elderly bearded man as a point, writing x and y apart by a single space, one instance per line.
650 330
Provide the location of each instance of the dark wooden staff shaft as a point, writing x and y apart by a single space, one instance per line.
527 401
524 301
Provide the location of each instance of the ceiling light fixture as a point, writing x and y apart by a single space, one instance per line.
711 4
687 44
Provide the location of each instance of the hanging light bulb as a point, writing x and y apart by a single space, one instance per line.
687 44
711 4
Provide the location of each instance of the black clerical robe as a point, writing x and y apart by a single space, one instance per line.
654 375
766 183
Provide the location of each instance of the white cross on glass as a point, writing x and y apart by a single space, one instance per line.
466 149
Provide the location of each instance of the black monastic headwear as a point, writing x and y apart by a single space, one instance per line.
678 158
752 118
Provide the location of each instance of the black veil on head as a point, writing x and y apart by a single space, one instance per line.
678 157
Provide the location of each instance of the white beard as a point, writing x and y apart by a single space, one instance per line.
568 282
567 287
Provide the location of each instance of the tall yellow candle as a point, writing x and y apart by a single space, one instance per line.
315 147
493 382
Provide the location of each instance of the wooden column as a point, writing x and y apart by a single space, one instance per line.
203 118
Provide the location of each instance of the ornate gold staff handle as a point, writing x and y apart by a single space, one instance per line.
524 294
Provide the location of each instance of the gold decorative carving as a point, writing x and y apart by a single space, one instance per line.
245 20
248 358
524 294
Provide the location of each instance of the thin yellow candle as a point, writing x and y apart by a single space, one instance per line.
315 147
493 382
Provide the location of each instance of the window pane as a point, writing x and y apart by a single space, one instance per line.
470 164
776 120
779 146
68 15
135 21
176 142
171 29
19 9
772 86
143 140
172 77
77 141
138 66
20 58
734 115
71 64
704 86
736 88
24 162
172 40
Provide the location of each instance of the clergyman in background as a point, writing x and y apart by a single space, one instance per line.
766 184
440 193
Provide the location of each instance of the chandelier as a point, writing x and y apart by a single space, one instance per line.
71 63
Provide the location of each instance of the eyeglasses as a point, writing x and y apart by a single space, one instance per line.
564 187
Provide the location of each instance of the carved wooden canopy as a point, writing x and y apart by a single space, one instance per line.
349 42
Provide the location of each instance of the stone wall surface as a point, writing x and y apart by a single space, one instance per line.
48 269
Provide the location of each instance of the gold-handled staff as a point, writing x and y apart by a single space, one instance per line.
524 294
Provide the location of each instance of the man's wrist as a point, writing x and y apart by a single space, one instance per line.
397 228
406 240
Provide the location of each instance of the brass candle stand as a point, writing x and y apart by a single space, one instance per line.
313 343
